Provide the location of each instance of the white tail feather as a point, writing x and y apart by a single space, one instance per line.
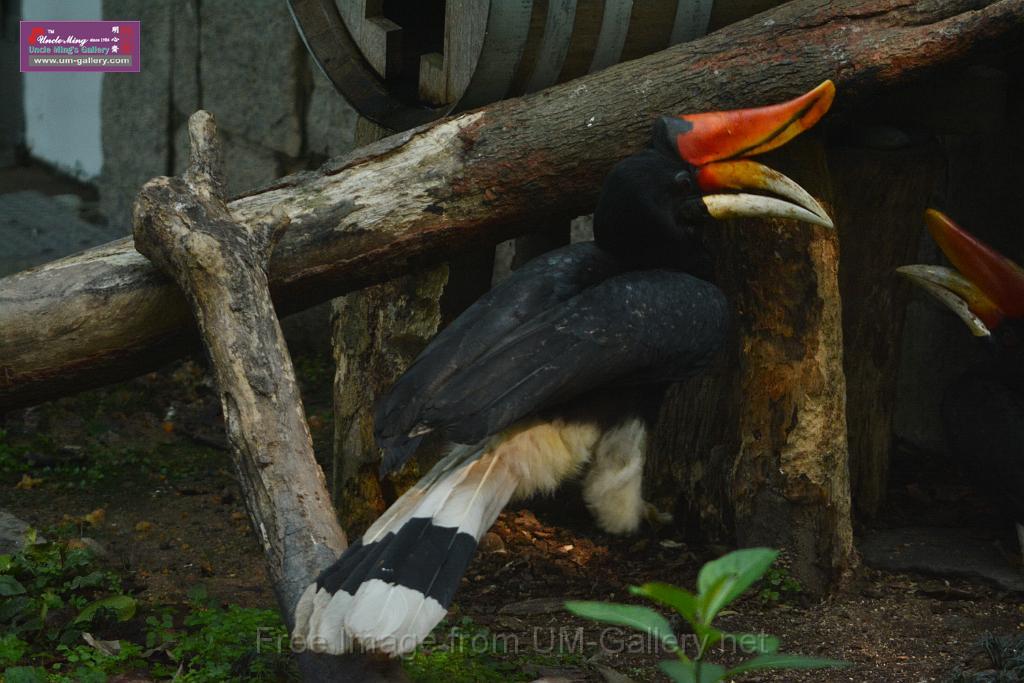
466 490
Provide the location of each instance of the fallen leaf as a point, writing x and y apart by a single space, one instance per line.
111 648
96 517
28 482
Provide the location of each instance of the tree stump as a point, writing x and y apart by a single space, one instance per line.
376 333
759 445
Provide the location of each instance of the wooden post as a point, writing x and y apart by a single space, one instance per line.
880 198
375 334
184 227
759 446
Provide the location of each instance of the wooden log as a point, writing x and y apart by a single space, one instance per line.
484 176
184 227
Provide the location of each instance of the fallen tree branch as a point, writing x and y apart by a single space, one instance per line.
105 315
184 227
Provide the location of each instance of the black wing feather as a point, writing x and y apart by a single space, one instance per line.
567 322
648 326
539 285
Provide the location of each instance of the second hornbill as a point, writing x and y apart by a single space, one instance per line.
983 408
539 377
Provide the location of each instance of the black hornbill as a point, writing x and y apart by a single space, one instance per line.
536 379
983 408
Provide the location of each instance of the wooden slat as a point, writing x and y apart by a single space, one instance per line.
508 26
727 12
528 58
382 45
650 29
433 83
558 30
339 57
463 41
614 27
585 33
692 19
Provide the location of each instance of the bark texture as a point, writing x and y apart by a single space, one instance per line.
376 333
880 198
484 176
184 227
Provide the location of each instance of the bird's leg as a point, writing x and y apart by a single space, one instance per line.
612 486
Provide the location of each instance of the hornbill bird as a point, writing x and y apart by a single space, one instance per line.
541 376
983 408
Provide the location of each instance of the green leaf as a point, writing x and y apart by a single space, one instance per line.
84 674
9 586
686 672
24 674
12 649
710 601
90 580
678 671
633 616
777 661
754 643
13 609
679 599
123 605
707 637
743 567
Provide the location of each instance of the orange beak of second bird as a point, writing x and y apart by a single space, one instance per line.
984 287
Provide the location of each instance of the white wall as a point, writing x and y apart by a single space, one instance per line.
62 110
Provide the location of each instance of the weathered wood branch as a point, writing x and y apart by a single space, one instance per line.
487 175
184 227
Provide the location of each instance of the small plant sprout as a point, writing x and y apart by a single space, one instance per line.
719 583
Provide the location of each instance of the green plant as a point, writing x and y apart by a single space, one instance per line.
778 585
719 583
464 653
53 592
995 659
223 644
10 460
52 599
50 596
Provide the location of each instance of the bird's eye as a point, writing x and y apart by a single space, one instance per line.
685 181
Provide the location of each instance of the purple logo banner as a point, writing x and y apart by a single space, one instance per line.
80 46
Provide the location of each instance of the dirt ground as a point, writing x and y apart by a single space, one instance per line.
150 453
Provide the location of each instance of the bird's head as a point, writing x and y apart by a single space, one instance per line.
699 167
984 288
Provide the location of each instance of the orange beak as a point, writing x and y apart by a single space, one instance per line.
998 277
985 288
717 144
724 135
